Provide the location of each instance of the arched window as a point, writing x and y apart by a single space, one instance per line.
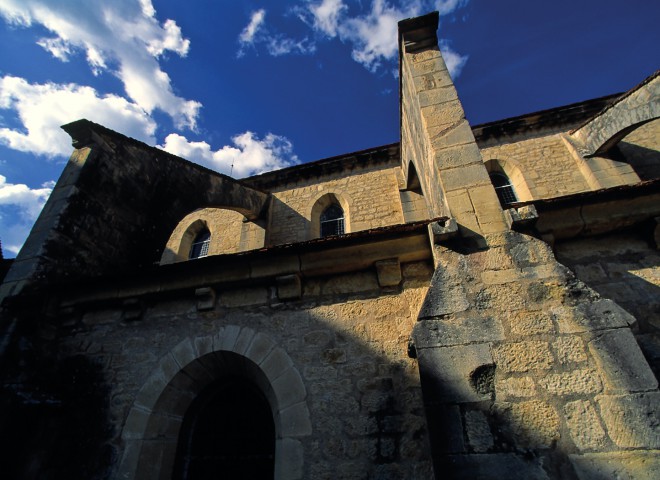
200 246
332 221
504 189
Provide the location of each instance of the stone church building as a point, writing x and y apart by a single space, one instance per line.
473 302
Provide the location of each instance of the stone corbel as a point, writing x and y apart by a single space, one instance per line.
389 272
289 287
521 217
132 310
443 229
206 298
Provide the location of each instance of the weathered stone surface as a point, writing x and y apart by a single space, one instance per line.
531 323
294 421
478 432
632 421
635 465
205 298
389 272
599 315
276 363
446 372
289 287
460 331
584 425
570 349
623 365
291 459
523 356
513 387
289 388
576 382
529 424
243 297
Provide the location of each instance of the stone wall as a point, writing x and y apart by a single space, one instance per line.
546 164
624 267
532 373
369 196
230 232
641 149
346 338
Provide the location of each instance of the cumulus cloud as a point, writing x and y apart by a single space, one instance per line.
326 15
42 108
374 36
372 33
249 155
124 33
28 202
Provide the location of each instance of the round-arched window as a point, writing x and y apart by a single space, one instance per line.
503 188
332 221
200 246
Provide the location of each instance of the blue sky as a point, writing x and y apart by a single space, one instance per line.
264 84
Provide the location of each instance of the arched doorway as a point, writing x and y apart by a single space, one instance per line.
190 376
227 432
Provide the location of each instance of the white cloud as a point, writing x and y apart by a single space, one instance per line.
374 36
276 44
279 45
28 202
42 108
125 33
327 14
249 155
445 7
256 20
454 61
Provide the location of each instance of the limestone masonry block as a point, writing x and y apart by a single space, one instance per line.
584 425
389 272
447 371
512 387
570 349
633 465
478 432
457 331
578 382
530 424
523 356
205 298
632 421
289 287
531 323
619 358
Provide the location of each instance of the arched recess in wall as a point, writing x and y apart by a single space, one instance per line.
640 148
160 427
230 233
323 204
413 200
181 241
512 171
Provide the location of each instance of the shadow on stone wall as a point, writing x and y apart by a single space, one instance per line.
348 343
53 413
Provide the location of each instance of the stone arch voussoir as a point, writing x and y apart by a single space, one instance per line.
151 429
636 108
